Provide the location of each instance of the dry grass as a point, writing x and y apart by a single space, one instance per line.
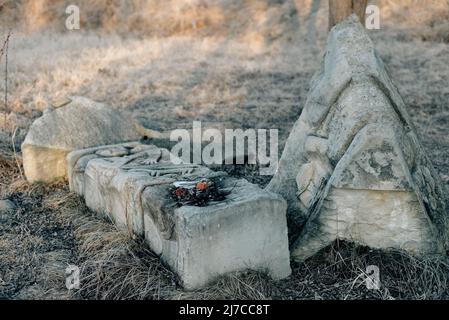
228 18
116 267
52 229
339 271
241 77
113 266
35 243
8 172
148 17
428 20
167 71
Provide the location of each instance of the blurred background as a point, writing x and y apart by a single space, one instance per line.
239 63
243 63
211 17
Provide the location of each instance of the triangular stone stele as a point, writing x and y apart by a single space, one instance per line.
353 168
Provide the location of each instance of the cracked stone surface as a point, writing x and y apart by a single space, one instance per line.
130 183
353 167
81 123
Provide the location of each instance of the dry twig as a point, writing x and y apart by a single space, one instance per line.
4 51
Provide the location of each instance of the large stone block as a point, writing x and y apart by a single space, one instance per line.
353 167
80 124
132 185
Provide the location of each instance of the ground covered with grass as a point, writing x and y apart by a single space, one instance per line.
251 73
53 229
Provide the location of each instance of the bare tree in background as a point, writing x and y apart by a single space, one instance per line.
339 10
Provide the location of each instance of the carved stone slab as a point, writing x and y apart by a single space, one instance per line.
78 123
353 167
130 183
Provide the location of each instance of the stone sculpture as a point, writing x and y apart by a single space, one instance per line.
352 167
81 123
130 183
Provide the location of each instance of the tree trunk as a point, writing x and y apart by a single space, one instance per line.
339 10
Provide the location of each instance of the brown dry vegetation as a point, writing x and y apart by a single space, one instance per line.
53 229
201 17
246 63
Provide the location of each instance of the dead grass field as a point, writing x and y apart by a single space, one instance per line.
247 63
53 229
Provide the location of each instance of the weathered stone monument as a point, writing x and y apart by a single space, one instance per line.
80 124
131 184
353 167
